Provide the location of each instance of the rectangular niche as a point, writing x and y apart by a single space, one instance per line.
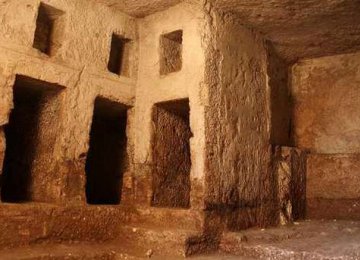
171 154
30 139
107 156
48 32
119 59
171 52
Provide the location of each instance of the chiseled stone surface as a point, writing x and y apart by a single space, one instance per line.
332 188
303 28
299 29
338 175
326 104
79 68
234 71
326 120
171 156
153 88
140 8
238 151
85 40
290 170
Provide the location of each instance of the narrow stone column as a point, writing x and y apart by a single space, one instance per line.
73 180
290 170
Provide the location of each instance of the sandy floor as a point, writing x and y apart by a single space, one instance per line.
303 240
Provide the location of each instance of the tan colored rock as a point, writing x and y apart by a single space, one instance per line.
151 106
334 172
152 88
237 136
326 111
301 29
79 67
337 196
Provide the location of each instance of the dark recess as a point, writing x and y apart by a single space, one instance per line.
22 136
44 32
107 157
119 60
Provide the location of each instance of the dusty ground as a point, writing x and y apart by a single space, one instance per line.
90 251
304 240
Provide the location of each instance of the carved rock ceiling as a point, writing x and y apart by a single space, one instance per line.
297 28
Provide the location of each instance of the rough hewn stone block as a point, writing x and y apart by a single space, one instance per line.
290 169
333 186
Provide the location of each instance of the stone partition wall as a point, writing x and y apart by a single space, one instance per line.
326 122
170 72
78 61
240 184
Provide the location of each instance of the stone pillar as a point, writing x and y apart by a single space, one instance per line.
290 171
73 180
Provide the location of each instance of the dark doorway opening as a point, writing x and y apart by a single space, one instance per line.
107 157
30 136
171 154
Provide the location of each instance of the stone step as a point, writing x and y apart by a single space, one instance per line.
114 250
83 251
163 230
163 241
24 224
171 217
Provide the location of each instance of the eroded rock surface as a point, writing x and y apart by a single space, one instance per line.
184 121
